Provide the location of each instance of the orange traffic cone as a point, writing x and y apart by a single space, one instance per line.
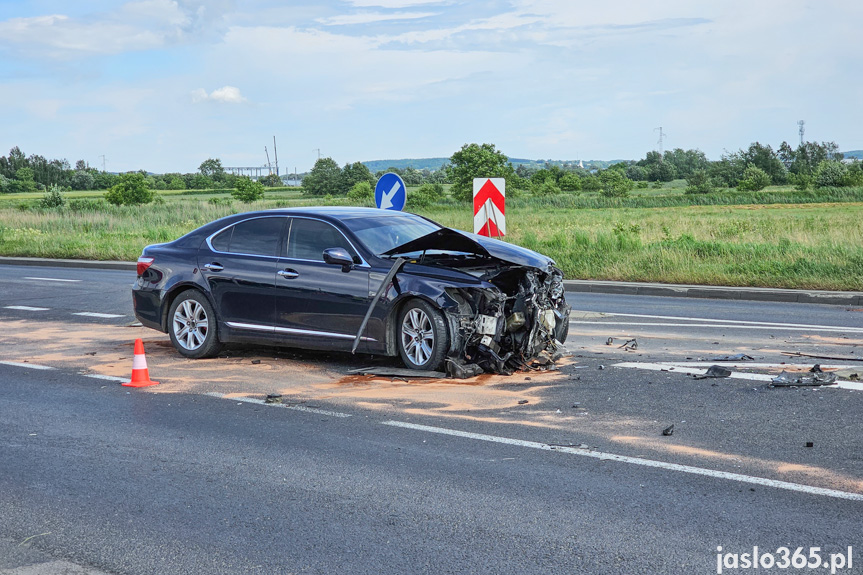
140 373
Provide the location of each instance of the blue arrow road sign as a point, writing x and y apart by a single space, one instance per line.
390 192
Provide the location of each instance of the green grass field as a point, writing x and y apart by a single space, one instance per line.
733 239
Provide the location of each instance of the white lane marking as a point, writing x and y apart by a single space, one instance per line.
684 318
777 327
52 280
27 308
96 314
635 460
27 365
314 410
106 377
687 370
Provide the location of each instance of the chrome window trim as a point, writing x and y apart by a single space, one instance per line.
296 331
363 263
214 250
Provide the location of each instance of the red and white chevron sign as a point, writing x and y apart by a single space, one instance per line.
489 217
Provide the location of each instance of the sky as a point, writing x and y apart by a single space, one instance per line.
163 85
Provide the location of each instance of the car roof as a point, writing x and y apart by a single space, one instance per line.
339 212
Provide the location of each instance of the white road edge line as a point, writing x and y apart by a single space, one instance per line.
244 399
52 280
27 365
684 318
635 460
26 308
97 314
687 370
784 327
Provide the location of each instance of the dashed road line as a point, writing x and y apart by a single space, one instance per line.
603 456
106 377
27 365
97 314
689 369
26 308
245 399
52 280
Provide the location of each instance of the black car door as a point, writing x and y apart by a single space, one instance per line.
239 265
318 303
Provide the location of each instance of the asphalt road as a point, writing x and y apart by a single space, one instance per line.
579 479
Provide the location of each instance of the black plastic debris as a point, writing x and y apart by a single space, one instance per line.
786 379
810 444
273 398
522 402
629 344
668 430
458 369
816 368
715 371
737 357
385 371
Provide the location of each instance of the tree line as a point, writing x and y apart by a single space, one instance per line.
810 165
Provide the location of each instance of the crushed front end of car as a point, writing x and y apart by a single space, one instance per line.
519 323
516 317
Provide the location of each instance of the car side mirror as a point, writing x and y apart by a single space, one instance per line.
339 257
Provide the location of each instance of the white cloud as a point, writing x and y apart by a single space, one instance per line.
371 17
395 3
225 94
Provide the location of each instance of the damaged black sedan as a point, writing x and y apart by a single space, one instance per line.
355 279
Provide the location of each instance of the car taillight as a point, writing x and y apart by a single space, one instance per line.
143 264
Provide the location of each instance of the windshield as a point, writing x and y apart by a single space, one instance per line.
381 234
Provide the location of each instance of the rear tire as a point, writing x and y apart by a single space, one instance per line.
422 335
192 325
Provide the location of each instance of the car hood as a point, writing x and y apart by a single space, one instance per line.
447 239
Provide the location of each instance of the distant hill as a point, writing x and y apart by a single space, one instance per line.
417 163
433 164
854 154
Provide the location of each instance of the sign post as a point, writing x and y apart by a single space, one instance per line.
390 192
489 215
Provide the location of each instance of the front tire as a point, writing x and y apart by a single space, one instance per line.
192 326
423 337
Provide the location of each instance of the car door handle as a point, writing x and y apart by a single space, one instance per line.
288 274
213 267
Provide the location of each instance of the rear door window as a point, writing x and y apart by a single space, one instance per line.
258 236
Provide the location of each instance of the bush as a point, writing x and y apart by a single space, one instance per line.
802 182
82 180
131 190
754 179
830 174
271 181
248 190
570 182
53 198
615 184
699 182
361 193
546 188
425 195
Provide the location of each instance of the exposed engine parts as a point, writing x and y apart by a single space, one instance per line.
521 323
